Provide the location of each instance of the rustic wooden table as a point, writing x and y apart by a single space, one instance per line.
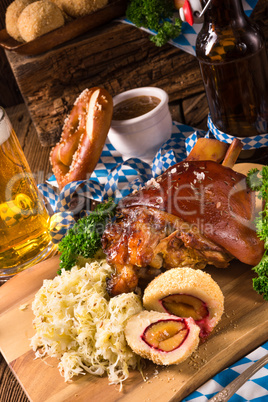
190 109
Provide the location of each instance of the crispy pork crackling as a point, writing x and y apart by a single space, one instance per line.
206 192
196 213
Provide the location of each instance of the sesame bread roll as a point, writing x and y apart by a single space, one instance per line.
186 292
161 337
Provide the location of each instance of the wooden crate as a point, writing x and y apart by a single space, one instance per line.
116 56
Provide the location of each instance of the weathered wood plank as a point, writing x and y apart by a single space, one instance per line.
241 329
10 389
117 56
195 110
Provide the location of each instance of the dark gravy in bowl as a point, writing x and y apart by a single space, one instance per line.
134 107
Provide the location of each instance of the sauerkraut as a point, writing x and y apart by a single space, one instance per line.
76 322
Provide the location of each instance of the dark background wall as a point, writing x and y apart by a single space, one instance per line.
9 91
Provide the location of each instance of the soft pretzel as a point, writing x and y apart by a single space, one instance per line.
83 136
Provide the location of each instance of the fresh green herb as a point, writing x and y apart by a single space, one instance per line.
84 238
157 15
258 181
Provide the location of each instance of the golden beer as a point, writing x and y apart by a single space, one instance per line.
24 221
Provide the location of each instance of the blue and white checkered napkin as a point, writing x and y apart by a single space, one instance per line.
116 178
257 141
254 142
187 39
254 390
112 177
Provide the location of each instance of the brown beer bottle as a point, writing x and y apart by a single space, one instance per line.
231 52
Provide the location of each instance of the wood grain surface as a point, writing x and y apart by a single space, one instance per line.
116 56
243 327
186 107
70 30
132 51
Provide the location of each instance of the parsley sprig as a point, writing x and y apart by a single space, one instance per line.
84 238
258 181
157 15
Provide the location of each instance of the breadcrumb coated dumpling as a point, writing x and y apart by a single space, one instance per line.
58 3
39 18
187 292
80 8
12 14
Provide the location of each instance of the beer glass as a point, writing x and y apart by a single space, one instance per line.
24 221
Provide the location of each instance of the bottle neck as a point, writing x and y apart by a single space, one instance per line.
222 11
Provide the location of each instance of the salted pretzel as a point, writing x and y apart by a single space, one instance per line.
83 136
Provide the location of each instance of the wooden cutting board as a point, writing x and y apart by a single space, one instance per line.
243 327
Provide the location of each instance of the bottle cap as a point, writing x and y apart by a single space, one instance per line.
191 12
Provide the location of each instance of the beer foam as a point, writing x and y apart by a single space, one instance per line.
5 127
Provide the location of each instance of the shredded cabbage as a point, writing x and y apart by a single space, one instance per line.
76 322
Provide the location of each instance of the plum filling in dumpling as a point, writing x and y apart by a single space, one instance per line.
161 337
186 292
166 335
183 305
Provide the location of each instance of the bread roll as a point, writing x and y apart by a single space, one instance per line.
12 14
39 18
80 8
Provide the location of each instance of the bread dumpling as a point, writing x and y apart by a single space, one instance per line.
186 292
39 18
80 8
12 14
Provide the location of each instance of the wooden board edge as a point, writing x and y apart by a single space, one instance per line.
30 280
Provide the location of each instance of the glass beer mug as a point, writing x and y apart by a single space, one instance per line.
24 221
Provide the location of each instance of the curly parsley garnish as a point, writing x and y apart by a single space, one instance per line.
258 181
156 15
84 238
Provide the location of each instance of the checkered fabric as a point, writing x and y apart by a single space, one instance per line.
187 39
112 177
254 390
115 177
59 224
257 141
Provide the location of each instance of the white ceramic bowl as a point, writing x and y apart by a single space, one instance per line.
142 136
